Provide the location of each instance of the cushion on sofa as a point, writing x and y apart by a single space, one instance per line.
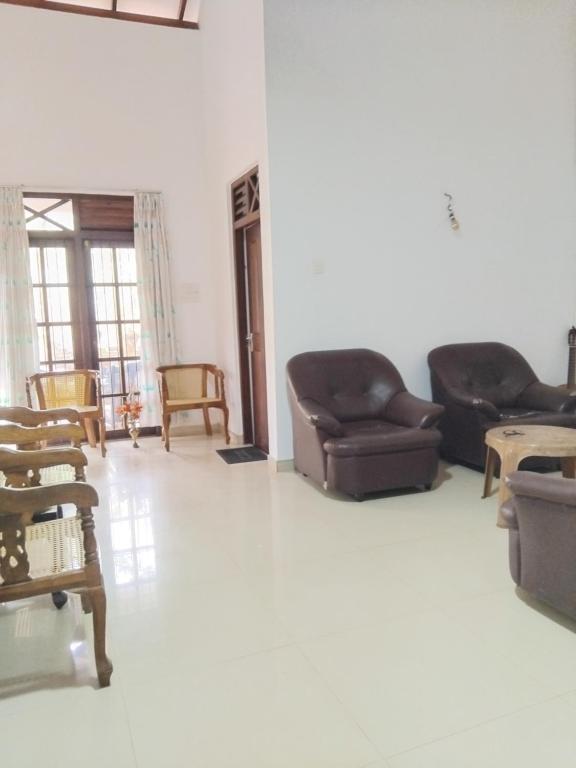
365 438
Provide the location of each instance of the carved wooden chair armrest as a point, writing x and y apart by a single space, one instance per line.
22 468
13 434
42 558
28 417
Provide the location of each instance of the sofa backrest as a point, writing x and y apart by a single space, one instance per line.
353 384
488 370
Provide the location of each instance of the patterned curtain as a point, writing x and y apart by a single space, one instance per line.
155 295
18 335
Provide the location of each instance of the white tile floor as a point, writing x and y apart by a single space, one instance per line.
255 622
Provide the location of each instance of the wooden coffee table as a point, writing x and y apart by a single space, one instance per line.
514 443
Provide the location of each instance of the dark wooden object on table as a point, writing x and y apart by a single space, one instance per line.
570 385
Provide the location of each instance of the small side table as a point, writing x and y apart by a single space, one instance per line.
514 443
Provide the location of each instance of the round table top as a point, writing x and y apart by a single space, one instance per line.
540 440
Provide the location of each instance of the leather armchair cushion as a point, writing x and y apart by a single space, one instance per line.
320 417
543 397
478 404
410 411
366 438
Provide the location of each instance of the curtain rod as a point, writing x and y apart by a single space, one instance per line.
85 190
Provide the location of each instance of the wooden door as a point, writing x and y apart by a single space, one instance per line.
250 306
255 335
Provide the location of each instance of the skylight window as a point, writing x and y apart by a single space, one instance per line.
171 13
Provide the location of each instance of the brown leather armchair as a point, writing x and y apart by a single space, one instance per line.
484 385
356 428
541 520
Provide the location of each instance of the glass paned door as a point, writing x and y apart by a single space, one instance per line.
116 324
57 333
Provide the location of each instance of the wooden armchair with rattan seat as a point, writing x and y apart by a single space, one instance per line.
191 386
27 466
79 390
43 558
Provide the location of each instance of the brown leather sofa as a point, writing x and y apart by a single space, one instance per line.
484 385
356 428
541 520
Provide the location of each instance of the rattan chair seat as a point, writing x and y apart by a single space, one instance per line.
55 547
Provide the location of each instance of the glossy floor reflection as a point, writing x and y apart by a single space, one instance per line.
255 622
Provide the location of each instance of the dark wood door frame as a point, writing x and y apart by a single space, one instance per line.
245 213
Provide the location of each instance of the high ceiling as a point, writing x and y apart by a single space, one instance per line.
170 13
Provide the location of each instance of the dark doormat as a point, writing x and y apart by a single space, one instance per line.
242 455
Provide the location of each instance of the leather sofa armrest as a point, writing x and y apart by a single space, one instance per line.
320 417
508 512
410 411
485 407
557 490
543 397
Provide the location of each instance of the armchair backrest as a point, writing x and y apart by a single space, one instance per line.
64 389
487 370
353 384
190 381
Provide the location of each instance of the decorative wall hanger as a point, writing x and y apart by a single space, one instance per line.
451 215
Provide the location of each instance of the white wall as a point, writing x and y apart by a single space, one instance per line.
374 110
231 39
89 104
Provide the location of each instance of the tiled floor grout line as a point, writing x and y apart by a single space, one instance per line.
345 708
489 720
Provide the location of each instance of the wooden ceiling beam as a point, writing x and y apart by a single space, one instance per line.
181 13
103 13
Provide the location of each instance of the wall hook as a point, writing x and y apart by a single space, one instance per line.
451 215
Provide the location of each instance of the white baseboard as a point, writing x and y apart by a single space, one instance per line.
184 430
284 465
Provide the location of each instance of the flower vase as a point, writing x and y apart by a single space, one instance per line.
134 431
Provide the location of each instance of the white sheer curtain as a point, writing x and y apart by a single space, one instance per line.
155 295
18 335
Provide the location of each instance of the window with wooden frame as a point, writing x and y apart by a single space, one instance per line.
85 290
52 305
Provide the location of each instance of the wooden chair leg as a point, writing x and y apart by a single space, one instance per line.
102 430
90 432
86 602
207 423
166 430
489 471
103 664
226 431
